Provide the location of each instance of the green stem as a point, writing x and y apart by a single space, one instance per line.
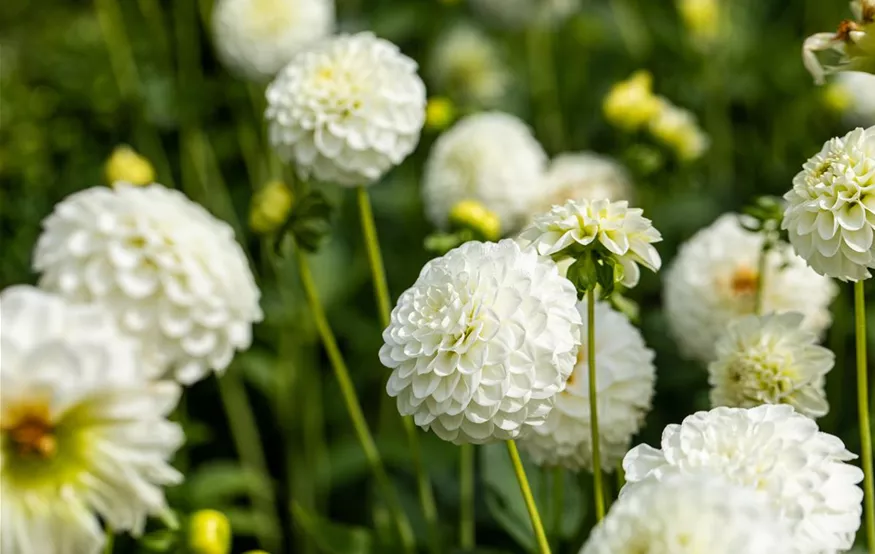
110 539
762 267
558 504
544 88
353 406
543 544
621 477
598 486
863 408
466 502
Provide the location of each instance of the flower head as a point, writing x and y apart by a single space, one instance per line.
625 377
774 450
677 128
631 104
171 273
84 432
852 46
126 165
482 342
346 110
701 18
830 215
270 207
466 65
859 91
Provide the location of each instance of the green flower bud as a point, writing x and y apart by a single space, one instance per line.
209 532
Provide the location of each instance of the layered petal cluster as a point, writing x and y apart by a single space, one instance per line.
714 279
771 360
830 214
625 377
690 514
774 450
171 273
482 342
85 435
466 64
346 110
256 38
490 157
567 230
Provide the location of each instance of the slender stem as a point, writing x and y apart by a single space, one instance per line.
110 540
543 544
353 406
762 267
621 477
558 504
466 497
863 408
543 82
598 486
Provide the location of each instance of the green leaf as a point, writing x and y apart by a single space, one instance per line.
218 484
333 538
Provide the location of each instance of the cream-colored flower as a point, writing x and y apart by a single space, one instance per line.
678 129
860 91
853 44
631 104
466 65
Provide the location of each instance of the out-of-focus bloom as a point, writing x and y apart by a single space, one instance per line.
701 18
714 279
694 514
523 13
171 273
677 128
830 214
256 38
209 532
439 113
622 232
126 165
770 360
859 91
631 104
490 157
852 47
84 432
347 110
470 214
625 377
466 65
482 342
772 449
270 207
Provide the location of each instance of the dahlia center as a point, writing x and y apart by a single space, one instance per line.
744 281
29 431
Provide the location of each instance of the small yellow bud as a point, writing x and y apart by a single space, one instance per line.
126 165
270 207
471 214
631 104
209 533
439 113
836 97
701 17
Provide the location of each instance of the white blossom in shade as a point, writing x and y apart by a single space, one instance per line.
466 64
171 273
690 514
772 449
625 377
622 231
860 91
482 342
347 110
771 360
523 13
256 38
850 48
714 278
85 435
830 214
490 157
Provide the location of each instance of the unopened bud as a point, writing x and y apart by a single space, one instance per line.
439 113
270 207
471 214
209 532
124 164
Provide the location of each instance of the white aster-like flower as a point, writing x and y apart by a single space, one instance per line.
623 232
482 342
690 514
347 110
772 449
522 13
85 437
625 377
830 215
466 64
171 273
860 90
771 360
714 279
256 38
490 157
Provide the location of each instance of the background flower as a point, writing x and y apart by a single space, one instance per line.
466 63
860 90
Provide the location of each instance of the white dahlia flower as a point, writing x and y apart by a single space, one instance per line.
256 38
772 449
568 230
860 91
714 278
85 435
171 273
690 514
771 360
520 13
466 64
347 110
490 157
831 208
482 342
625 377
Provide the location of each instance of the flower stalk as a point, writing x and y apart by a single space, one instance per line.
526 490
598 486
466 502
863 408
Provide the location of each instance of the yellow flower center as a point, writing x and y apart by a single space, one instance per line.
30 431
744 281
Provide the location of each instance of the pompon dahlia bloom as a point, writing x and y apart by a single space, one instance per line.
256 38
690 514
347 110
490 157
567 230
85 437
482 342
171 274
771 360
772 449
830 214
466 64
625 377
714 279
